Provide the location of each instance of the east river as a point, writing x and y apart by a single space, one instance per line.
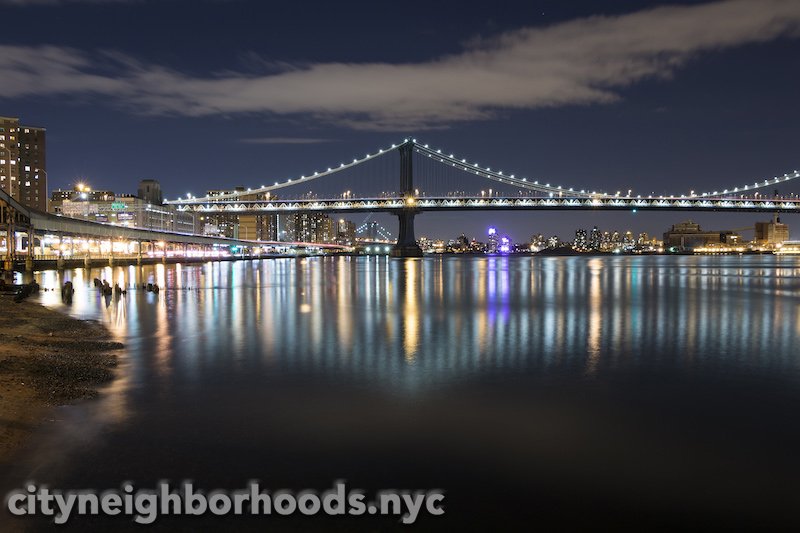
571 391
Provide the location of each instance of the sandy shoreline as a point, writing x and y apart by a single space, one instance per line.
46 359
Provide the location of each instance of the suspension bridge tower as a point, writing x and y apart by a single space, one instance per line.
406 240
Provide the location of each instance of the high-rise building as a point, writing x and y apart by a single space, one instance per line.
224 225
310 227
23 163
595 238
250 227
491 245
581 242
345 232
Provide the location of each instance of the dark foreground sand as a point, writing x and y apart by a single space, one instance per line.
46 359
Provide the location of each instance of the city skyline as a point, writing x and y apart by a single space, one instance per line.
356 265
706 118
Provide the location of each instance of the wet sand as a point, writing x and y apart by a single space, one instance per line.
46 359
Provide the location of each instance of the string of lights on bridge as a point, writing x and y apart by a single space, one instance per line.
498 176
474 168
756 185
285 183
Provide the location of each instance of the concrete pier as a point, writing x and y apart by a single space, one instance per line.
406 240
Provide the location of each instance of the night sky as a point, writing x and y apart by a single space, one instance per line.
204 94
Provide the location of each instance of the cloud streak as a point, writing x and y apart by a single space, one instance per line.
584 61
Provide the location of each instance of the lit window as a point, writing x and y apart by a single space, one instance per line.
27 183
27 168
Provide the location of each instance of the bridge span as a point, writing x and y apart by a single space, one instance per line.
409 192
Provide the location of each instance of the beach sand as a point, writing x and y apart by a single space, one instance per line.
46 359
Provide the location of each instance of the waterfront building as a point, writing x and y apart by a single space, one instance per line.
788 248
81 191
23 163
107 207
689 235
771 233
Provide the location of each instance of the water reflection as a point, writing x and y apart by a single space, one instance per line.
656 383
416 322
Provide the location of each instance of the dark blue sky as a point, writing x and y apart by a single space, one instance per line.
687 98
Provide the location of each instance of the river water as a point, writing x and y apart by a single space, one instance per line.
573 391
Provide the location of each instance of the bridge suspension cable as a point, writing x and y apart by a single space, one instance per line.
755 186
463 164
499 176
235 195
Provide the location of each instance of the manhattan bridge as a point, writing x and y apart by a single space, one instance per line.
410 178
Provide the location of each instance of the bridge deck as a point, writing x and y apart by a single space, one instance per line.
393 205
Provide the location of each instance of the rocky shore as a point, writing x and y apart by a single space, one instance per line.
46 359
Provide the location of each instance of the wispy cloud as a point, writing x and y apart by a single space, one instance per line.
284 140
584 61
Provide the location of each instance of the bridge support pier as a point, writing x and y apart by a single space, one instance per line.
60 262
406 240
29 262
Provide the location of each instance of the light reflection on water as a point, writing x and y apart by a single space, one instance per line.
414 323
665 381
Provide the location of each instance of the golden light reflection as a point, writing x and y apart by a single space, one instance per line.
411 315
344 312
595 316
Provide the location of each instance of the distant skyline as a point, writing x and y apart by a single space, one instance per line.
212 94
